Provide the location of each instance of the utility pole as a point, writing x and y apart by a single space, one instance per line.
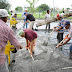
53 9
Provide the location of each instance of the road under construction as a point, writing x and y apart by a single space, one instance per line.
46 58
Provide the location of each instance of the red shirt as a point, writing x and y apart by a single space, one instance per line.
30 34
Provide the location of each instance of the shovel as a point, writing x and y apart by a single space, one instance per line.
61 41
58 45
29 52
46 42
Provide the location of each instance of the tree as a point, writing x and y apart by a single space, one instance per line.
4 4
42 7
62 9
32 4
19 8
67 8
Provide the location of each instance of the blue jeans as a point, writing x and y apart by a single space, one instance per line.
24 25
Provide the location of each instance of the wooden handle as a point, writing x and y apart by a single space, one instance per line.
51 33
60 42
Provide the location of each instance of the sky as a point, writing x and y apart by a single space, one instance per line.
51 3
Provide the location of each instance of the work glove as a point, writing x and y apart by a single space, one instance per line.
14 50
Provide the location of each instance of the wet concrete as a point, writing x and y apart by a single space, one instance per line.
47 58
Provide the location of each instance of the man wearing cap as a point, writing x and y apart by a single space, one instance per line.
6 33
69 36
30 37
23 15
60 28
30 18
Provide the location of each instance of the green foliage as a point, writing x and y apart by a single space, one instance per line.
38 15
43 13
60 11
32 4
42 7
4 4
67 8
9 12
19 8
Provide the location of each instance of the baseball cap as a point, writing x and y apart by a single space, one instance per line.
21 32
58 15
24 13
3 13
66 23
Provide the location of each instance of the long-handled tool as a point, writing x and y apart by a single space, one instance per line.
46 42
58 45
29 52
61 42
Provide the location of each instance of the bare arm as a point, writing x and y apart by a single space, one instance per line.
13 40
27 42
66 41
26 22
59 28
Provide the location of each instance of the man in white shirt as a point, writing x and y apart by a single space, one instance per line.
69 36
47 17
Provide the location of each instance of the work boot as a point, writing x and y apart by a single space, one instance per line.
36 29
13 61
32 28
33 52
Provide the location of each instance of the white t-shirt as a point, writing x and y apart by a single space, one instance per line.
62 14
70 31
47 16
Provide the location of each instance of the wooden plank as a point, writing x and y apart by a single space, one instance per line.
40 23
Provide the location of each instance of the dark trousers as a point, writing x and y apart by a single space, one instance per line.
48 25
59 37
70 52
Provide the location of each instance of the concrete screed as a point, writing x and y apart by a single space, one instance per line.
47 58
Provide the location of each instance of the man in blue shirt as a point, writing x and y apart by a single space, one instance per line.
60 28
23 15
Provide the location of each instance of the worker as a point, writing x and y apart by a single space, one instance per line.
30 37
15 17
60 28
23 15
47 18
69 36
30 18
6 33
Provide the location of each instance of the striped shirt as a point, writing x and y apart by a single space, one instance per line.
70 31
6 33
61 24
